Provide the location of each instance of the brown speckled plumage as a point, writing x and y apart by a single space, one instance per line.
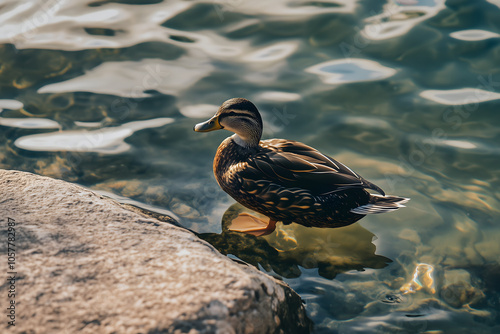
260 180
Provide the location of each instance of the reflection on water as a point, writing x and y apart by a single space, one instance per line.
292 248
405 92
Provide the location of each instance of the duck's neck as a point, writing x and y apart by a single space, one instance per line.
247 140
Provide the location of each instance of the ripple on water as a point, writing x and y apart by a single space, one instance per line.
350 70
133 79
88 124
399 17
199 110
460 144
38 25
461 96
255 49
29 123
287 8
10 104
278 51
278 96
106 140
473 35
494 2
456 142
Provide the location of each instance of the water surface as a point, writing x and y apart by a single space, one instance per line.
406 93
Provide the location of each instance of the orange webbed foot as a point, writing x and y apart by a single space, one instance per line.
250 224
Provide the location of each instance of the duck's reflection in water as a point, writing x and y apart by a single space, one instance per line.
290 247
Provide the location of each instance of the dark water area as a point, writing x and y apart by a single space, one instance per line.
406 93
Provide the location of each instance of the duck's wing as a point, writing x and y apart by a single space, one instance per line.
295 165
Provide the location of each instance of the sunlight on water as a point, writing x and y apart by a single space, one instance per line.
286 8
10 104
88 124
460 144
350 70
199 110
494 2
460 96
399 17
104 140
473 35
422 279
133 79
273 52
278 96
29 123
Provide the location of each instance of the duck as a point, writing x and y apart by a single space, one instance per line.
284 180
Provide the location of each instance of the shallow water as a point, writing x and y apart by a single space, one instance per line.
406 93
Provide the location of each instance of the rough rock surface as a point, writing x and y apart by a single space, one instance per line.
86 264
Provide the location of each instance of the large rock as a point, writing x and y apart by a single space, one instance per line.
86 264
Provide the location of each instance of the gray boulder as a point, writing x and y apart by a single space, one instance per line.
86 264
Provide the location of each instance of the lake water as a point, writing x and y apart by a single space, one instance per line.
406 93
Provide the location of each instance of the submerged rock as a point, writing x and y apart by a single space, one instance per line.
86 264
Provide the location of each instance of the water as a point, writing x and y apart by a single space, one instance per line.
406 93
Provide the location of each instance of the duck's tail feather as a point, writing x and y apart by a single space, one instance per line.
381 204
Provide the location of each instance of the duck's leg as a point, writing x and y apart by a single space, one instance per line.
249 224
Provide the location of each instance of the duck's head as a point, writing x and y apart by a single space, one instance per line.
237 115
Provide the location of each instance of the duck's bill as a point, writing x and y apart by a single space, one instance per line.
210 125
